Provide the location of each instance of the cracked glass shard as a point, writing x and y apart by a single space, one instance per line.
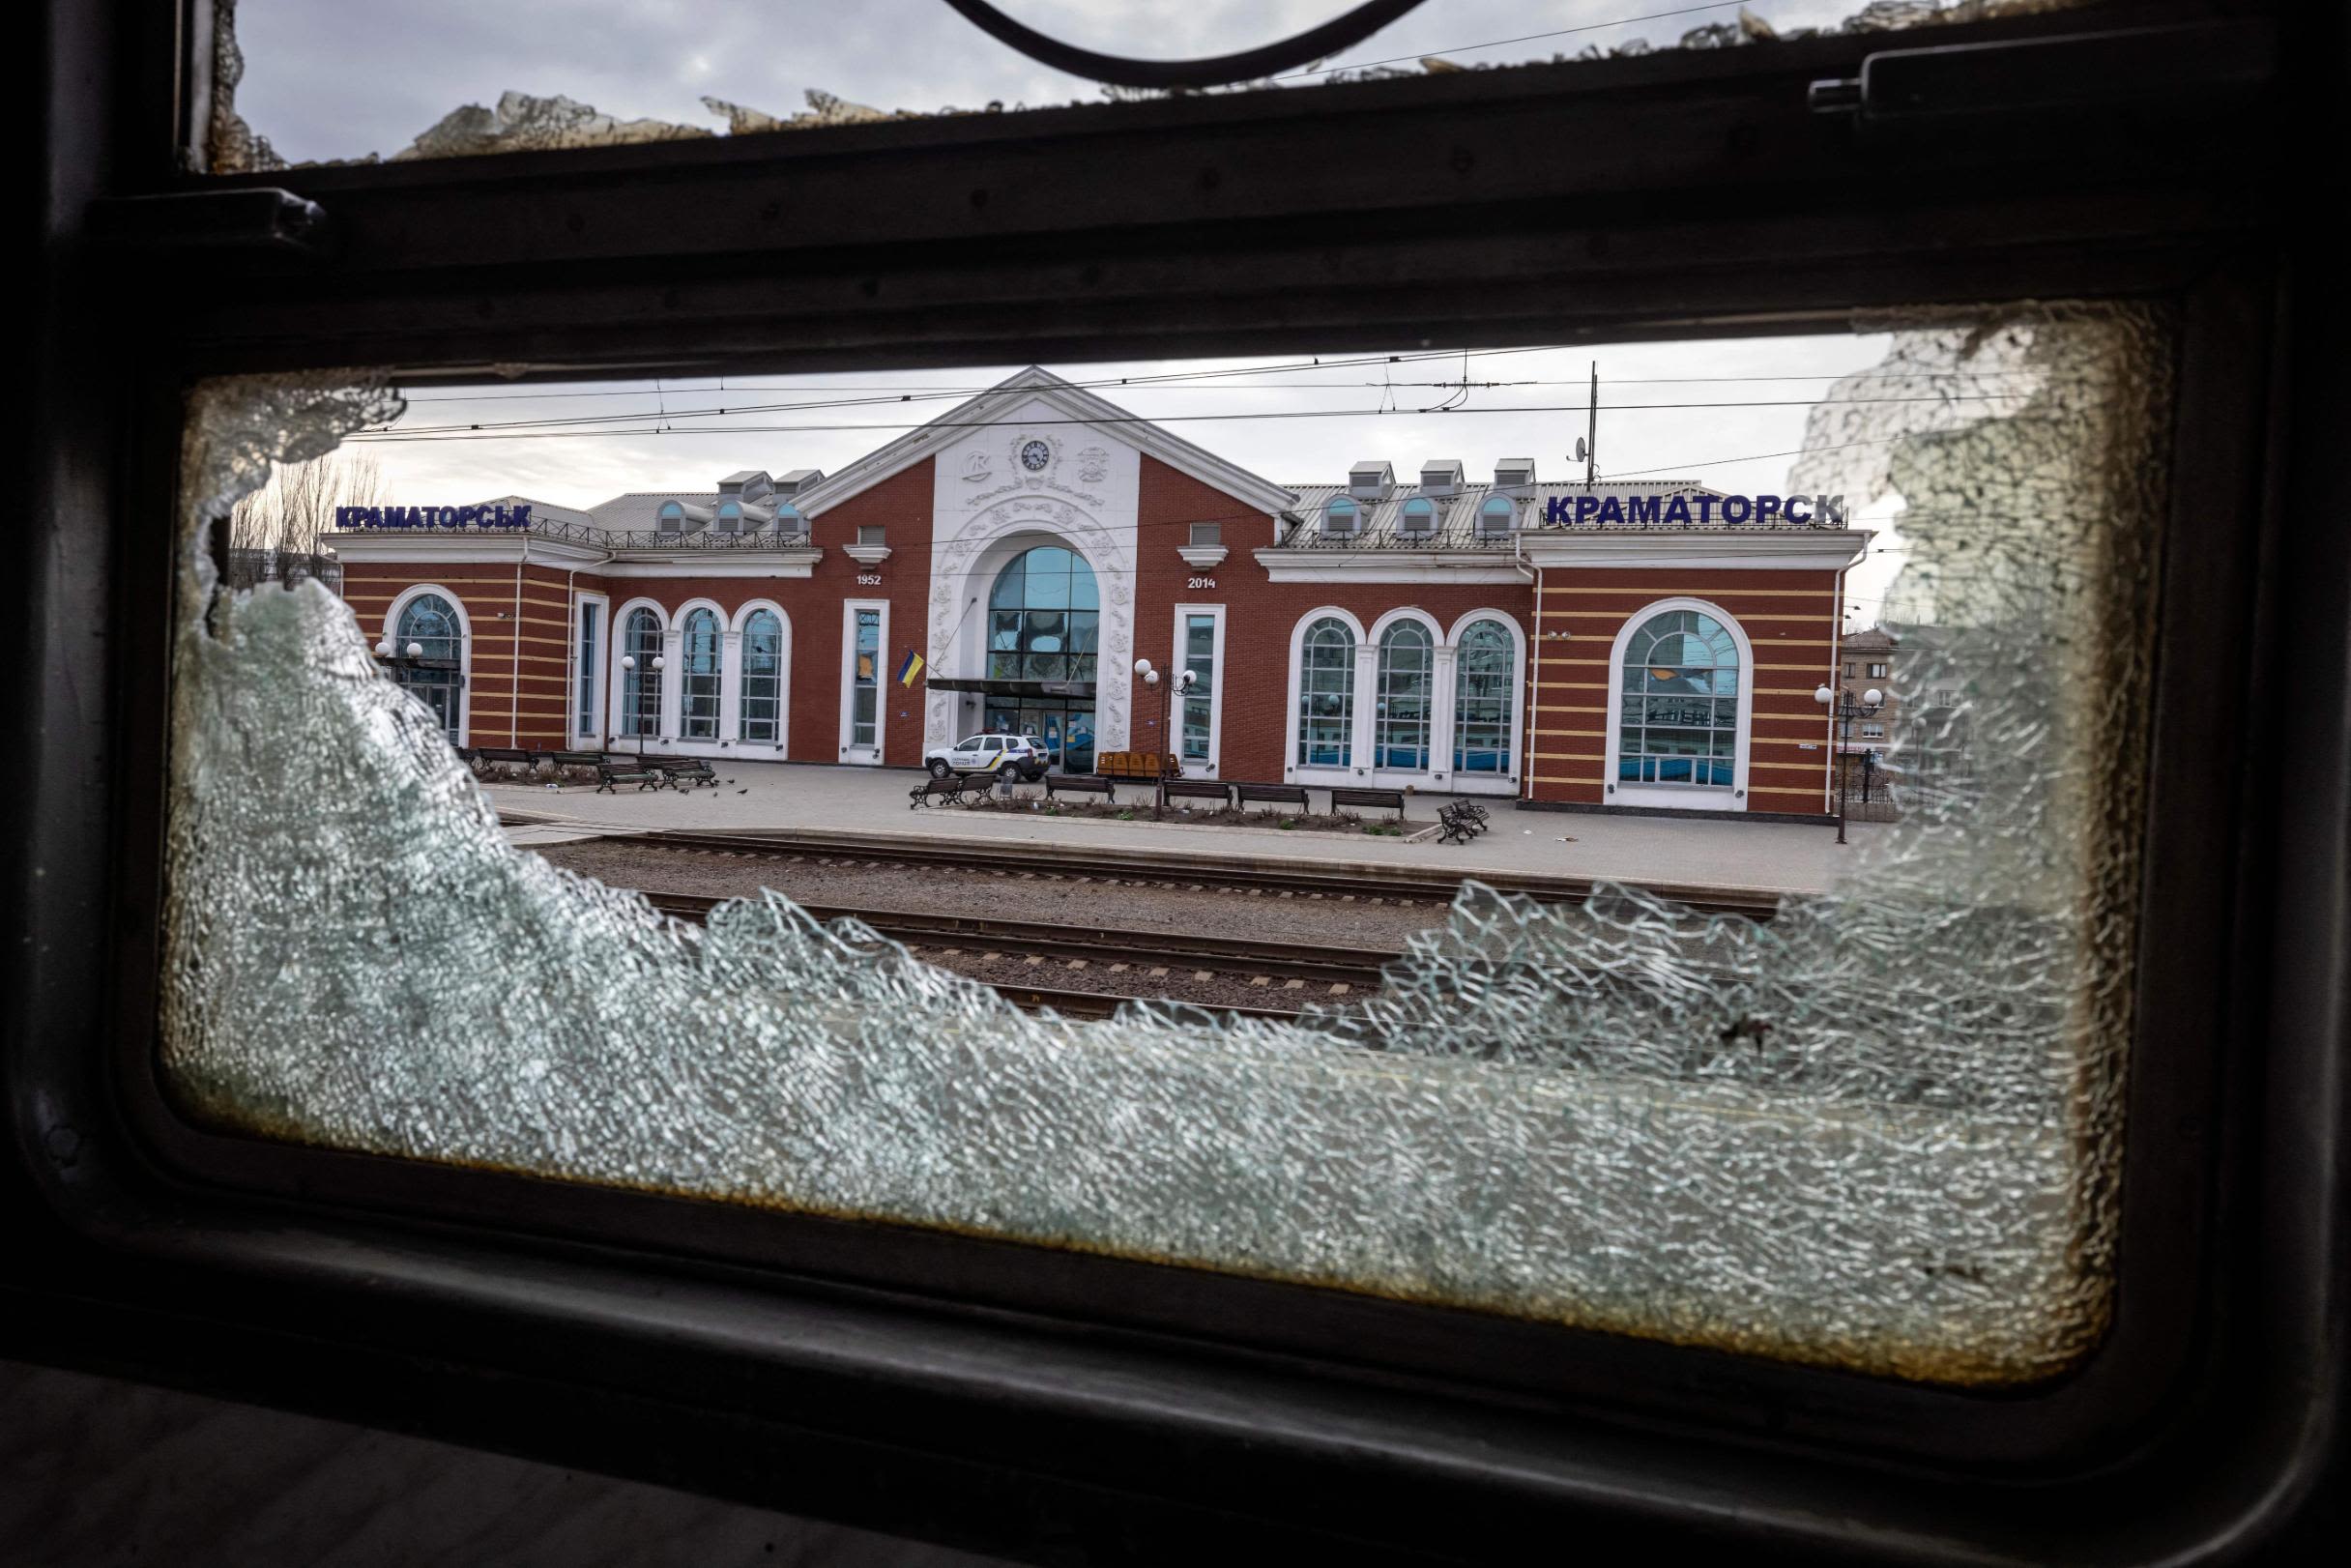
1880 1131
660 61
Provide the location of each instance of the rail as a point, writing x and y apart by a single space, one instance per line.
1142 949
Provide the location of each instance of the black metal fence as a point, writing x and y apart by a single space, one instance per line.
251 566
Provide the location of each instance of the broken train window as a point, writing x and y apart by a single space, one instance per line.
1880 1129
608 74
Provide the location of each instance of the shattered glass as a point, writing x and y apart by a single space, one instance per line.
1879 1131
897 49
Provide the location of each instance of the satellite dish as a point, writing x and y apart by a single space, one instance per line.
1579 451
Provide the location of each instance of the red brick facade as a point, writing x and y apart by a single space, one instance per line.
523 687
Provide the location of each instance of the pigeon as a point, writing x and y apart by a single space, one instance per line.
745 790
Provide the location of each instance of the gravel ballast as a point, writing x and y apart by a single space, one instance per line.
1342 924
932 889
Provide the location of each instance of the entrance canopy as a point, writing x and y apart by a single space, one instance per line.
1016 688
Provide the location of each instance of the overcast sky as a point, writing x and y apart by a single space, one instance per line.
333 79
326 79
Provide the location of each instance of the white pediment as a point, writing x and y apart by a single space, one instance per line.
1049 411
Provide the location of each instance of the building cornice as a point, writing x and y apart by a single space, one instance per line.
673 563
1725 549
423 544
1387 567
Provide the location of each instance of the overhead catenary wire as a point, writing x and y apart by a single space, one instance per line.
611 425
1504 42
1145 379
931 393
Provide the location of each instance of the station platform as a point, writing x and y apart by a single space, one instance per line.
753 796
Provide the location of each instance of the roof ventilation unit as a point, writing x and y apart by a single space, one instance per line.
1371 480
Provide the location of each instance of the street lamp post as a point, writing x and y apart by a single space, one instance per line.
1167 692
660 663
1844 710
629 661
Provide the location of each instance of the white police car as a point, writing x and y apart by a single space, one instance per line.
1021 755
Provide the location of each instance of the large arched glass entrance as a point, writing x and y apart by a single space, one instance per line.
1044 625
435 675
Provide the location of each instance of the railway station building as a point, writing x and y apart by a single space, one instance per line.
1006 565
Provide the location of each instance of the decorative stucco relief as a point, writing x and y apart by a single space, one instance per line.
1108 550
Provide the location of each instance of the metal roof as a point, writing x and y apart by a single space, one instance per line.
1456 513
641 509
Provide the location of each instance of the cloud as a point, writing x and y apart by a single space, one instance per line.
326 79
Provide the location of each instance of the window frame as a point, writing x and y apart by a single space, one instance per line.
746 616
706 612
592 679
1301 758
429 1295
1512 698
1209 692
643 677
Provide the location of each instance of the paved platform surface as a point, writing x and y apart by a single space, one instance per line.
1778 857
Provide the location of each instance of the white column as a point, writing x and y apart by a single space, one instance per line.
673 684
1360 751
730 686
1440 717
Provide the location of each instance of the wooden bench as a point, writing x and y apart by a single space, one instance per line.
561 760
1368 800
1081 784
938 792
1200 789
506 756
1273 795
613 768
686 771
1462 820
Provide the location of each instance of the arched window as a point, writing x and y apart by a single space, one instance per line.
1419 516
641 687
700 708
1326 694
1407 659
788 519
763 671
1678 717
1496 517
436 675
730 517
1341 516
1482 698
1044 618
671 519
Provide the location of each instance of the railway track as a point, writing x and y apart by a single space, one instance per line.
1155 954
1261 875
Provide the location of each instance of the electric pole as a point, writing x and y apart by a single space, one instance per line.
1591 444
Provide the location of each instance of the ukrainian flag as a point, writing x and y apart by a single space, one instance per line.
912 668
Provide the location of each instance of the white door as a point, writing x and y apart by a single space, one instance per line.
863 674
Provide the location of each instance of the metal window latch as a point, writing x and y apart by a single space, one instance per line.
243 224
2204 66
